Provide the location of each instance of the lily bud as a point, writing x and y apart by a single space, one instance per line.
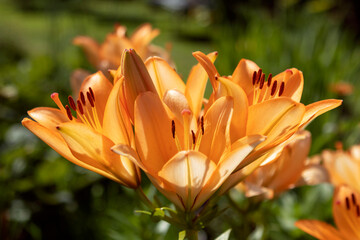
136 79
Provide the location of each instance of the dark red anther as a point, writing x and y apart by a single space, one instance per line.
282 88
68 111
353 198
216 77
357 210
92 93
347 203
202 125
90 99
79 105
193 136
269 80
273 89
262 80
259 74
173 128
82 98
72 103
254 78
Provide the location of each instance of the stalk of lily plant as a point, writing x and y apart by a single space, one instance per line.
86 138
268 107
346 212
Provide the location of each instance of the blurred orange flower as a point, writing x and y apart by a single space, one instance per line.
100 123
342 88
346 212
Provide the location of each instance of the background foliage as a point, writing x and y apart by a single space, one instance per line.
43 196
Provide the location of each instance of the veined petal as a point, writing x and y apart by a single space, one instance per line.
153 134
317 108
164 77
91 48
48 117
101 88
240 115
243 73
294 83
56 142
196 84
216 128
346 211
320 230
186 174
116 123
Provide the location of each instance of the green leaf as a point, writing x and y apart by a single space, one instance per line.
182 235
143 212
225 235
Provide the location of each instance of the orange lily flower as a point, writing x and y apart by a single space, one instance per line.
281 174
108 54
100 123
269 108
186 166
343 166
346 212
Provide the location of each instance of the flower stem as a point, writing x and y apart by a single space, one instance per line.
192 234
144 198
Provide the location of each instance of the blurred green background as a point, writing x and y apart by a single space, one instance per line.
43 196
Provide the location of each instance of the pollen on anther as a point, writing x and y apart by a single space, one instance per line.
269 80
254 78
273 89
173 128
358 210
92 93
82 98
282 88
262 80
202 125
259 74
72 103
88 95
79 105
68 111
353 198
347 203
193 136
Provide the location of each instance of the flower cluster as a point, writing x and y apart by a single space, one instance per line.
143 116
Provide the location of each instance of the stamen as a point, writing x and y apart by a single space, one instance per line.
254 78
353 198
282 87
202 124
193 137
72 103
269 80
55 98
259 75
82 98
273 89
92 93
262 80
90 99
347 203
79 105
68 111
357 210
173 128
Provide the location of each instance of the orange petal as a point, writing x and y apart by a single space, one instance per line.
243 74
186 174
154 141
317 108
164 77
196 84
48 117
216 128
91 48
209 67
240 115
111 50
346 211
294 83
141 38
320 230
56 142
101 88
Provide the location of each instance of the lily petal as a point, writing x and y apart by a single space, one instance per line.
209 67
164 77
294 83
48 117
243 74
91 48
320 230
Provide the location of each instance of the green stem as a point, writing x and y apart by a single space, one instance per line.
144 198
191 234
